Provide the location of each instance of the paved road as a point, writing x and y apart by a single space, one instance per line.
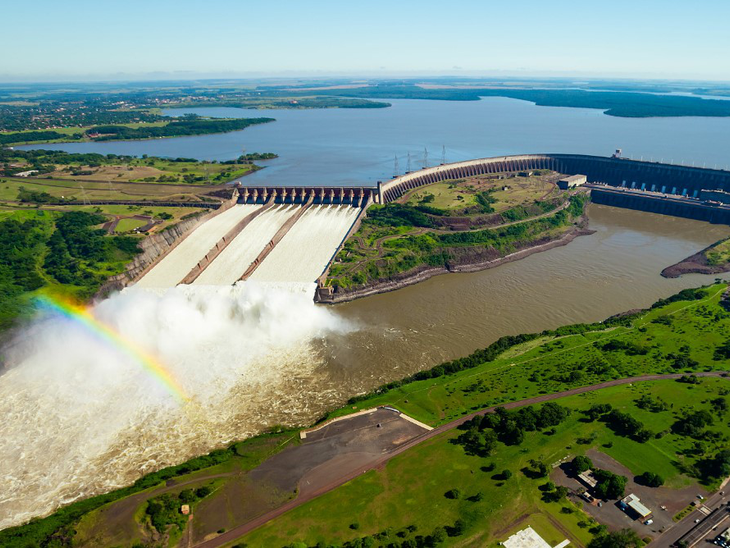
245 528
705 527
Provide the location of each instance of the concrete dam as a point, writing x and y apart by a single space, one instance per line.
284 235
291 234
693 192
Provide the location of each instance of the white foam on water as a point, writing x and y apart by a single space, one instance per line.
81 417
229 266
306 250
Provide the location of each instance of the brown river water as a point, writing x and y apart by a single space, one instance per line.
590 279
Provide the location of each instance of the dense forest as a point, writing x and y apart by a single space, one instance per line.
56 249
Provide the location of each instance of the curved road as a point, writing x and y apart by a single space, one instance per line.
245 528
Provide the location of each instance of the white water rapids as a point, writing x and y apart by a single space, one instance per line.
81 417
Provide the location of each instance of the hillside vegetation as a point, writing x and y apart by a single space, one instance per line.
58 252
439 226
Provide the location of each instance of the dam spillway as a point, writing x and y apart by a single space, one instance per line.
274 241
306 250
176 265
235 259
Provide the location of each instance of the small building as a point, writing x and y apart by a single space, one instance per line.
588 478
526 538
572 181
526 173
631 504
185 509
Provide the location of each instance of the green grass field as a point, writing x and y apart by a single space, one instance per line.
79 190
410 489
128 225
459 196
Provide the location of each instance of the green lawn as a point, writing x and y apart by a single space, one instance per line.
127 225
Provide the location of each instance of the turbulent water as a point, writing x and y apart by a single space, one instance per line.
81 417
306 250
233 261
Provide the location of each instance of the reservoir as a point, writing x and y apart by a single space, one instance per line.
357 147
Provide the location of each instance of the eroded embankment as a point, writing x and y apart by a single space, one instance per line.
474 261
695 264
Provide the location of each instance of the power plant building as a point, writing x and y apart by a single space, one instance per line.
572 181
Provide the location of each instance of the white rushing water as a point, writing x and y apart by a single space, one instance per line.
177 264
306 250
80 416
229 266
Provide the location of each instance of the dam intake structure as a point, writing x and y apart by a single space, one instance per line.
683 191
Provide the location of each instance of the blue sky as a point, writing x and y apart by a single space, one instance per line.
102 39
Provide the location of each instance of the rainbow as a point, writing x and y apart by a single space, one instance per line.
83 316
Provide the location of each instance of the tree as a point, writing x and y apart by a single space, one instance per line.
722 352
506 474
650 479
610 485
453 494
625 538
581 463
458 528
439 535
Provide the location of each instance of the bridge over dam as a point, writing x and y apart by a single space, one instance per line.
670 189
291 234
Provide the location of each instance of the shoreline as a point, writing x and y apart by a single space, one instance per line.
72 141
695 264
423 274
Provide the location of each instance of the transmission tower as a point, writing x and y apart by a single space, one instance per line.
396 171
425 157
408 169
443 154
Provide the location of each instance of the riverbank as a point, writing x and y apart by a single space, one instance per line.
474 263
699 263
